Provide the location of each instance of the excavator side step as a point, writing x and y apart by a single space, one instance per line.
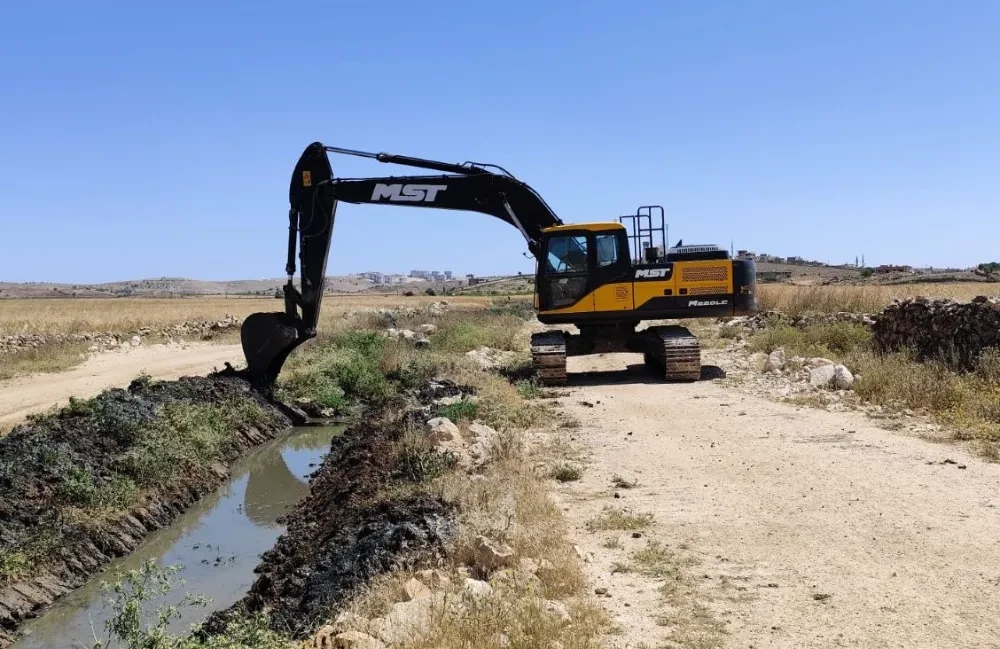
674 351
548 357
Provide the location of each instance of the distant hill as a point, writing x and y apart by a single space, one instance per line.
170 287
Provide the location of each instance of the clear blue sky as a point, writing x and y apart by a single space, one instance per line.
141 140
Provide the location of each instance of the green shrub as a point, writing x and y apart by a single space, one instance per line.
464 409
835 340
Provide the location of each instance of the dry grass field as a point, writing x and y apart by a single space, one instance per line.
862 299
121 315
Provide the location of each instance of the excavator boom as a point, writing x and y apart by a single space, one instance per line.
314 192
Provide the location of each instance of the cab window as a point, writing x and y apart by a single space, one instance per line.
607 250
566 255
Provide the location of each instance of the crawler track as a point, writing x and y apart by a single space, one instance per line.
548 357
678 354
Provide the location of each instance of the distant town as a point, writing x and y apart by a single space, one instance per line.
416 276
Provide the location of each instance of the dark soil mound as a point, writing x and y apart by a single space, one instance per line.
85 485
365 514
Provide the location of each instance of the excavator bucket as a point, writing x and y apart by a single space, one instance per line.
268 339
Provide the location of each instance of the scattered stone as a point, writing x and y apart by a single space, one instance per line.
355 640
136 341
428 329
491 555
347 621
434 579
442 429
776 359
528 565
413 589
556 609
822 376
422 343
636 535
819 597
818 362
407 334
842 378
759 362
476 587
601 591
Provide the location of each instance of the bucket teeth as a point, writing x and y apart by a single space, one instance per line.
548 357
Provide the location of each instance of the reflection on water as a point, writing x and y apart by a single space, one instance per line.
217 542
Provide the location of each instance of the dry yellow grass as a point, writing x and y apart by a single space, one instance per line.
866 299
67 316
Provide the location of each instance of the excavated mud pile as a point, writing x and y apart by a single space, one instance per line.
953 332
75 487
365 514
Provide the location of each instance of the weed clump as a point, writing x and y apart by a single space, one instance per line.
619 519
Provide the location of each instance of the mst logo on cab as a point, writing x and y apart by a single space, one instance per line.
407 193
651 273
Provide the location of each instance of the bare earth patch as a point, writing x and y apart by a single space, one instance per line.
23 396
775 525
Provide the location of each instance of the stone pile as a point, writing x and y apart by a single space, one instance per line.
940 329
103 340
765 319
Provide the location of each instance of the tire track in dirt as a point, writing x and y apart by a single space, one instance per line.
806 528
23 396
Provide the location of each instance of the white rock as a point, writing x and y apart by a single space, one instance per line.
822 376
413 589
136 341
777 358
818 362
491 555
842 378
406 620
476 587
759 362
391 333
347 621
482 431
442 429
422 342
428 328
556 609
356 640
407 334
433 579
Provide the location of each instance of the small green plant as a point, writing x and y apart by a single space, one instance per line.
132 626
566 473
656 560
464 409
619 519
612 543
12 564
529 389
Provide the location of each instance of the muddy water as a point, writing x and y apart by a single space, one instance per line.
217 543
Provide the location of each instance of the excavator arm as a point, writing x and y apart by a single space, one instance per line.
268 338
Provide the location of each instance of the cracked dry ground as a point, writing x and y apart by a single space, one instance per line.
789 526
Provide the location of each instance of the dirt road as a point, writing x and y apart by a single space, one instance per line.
795 527
23 396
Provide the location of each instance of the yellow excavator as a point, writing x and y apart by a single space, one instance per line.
604 278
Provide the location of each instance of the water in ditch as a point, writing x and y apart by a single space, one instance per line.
216 544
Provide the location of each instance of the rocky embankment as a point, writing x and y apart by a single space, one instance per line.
97 341
371 510
77 487
945 330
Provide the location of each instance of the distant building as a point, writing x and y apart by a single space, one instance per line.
888 268
447 274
